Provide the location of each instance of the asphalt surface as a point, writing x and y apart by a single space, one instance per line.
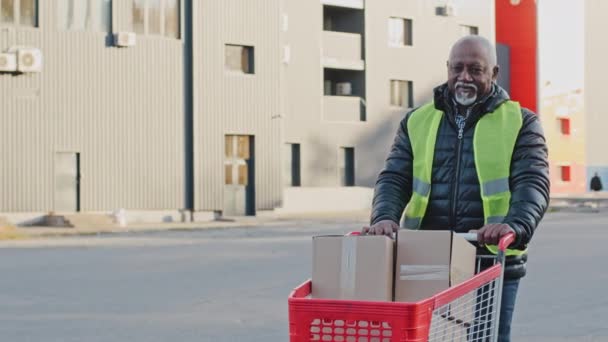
232 284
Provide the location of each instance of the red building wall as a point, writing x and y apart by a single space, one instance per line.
516 28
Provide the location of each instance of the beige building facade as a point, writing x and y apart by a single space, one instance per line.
387 54
595 74
214 106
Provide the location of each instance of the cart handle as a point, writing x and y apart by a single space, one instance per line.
506 241
503 244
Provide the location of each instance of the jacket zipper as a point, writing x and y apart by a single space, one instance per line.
460 123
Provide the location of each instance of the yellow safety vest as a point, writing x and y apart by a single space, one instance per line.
493 143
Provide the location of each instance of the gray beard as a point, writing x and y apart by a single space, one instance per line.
464 100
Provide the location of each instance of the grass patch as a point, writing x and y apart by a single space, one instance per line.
11 233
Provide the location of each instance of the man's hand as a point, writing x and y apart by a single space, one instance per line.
491 233
384 227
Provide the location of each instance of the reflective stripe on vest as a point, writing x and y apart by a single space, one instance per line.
425 121
493 144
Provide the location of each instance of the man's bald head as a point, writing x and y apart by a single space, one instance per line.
480 42
472 69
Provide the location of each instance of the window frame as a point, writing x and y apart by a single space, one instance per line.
407 35
410 95
250 59
17 15
95 23
162 19
469 28
565 126
565 173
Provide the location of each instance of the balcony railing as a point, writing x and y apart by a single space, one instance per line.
343 108
342 50
358 4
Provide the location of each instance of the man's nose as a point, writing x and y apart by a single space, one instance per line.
465 76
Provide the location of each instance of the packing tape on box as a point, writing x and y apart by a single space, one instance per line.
348 266
424 272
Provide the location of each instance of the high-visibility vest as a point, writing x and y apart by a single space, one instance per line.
493 144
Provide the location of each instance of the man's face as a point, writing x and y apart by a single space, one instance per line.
470 75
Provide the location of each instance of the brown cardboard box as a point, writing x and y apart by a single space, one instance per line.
353 267
429 262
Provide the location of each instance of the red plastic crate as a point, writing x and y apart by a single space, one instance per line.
366 321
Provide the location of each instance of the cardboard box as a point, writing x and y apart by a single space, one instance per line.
353 267
429 262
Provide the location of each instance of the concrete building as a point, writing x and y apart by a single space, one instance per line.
354 69
595 76
216 106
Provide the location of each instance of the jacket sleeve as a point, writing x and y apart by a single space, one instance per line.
394 185
529 180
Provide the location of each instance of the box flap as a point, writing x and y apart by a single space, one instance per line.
462 264
423 264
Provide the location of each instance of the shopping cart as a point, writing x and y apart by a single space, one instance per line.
465 312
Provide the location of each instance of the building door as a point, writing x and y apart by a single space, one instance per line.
67 181
346 166
239 176
291 165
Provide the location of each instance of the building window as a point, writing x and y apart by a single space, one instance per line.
239 58
346 166
237 153
85 15
292 165
565 173
19 12
156 17
402 94
399 32
564 125
469 30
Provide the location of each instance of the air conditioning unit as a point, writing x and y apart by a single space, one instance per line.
29 59
344 88
8 62
124 39
447 10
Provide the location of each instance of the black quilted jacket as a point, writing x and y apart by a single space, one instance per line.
455 200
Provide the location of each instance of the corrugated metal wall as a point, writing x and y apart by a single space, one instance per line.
230 103
121 109
21 131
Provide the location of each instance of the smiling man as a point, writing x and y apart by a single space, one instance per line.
470 160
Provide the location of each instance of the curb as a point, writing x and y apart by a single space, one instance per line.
40 232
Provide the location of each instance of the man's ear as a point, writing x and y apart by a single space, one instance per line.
495 71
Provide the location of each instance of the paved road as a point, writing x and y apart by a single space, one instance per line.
232 284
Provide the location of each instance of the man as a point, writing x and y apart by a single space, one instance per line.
596 183
470 160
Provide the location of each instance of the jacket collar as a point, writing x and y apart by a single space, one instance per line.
444 101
